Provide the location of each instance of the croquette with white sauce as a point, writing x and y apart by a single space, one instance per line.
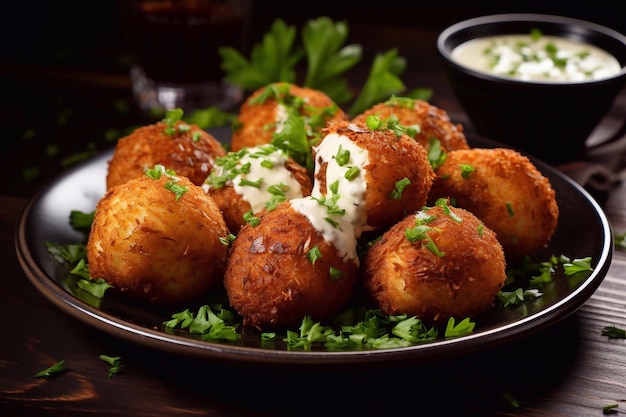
244 182
282 269
264 113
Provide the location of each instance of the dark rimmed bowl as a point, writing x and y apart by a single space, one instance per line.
551 121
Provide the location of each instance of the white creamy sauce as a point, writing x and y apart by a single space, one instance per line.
341 236
264 176
281 116
348 195
543 59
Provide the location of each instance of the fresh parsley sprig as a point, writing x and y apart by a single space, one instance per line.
272 60
328 61
327 58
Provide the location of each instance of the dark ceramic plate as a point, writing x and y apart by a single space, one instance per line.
583 230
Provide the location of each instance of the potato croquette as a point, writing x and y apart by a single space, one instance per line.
186 149
438 263
265 111
506 191
246 181
158 239
390 173
283 269
433 122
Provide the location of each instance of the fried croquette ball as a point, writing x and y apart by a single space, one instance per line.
186 149
438 263
265 111
243 183
158 240
378 173
433 122
505 190
284 269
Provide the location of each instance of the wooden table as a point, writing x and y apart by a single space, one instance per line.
569 369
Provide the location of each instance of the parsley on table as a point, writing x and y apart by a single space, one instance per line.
52 371
610 409
510 400
613 332
114 362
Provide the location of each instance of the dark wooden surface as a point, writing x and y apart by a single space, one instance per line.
56 105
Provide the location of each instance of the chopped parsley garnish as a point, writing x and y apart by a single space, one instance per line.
313 254
336 274
255 184
251 219
226 241
172 185
436 155
172 117
509 209
613 332
392 123
207 323
610 409
524 282
352 173
115 363
443 203
418 233
405 102
400 185
343 156
52 371
466 170
176 188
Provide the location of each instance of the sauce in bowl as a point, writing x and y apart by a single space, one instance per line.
536 57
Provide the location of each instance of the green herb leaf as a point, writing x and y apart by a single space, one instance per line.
52 371
400 185
81 221
68 254
382 81
313 254
465 326
208 324
327 59
271 61
613 332
115 362
96 288
610 409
